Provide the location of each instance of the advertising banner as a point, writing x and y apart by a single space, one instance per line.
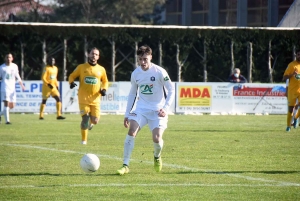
231 98
190 97
31 99
114 102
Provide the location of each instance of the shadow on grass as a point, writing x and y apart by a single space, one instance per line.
220 131
53 175
240 172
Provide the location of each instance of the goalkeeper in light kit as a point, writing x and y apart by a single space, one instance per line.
93 84
50 88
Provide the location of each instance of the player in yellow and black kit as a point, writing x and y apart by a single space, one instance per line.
93 84
293 74
50 88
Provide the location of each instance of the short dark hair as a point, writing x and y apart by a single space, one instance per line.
49 60
145 49
94 48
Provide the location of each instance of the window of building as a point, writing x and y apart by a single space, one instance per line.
200 5
257 3
200 19
174 6
200 10
174 12
228 13
174 19
284 6
257 13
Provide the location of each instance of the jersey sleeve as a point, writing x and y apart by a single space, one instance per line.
132 95
289 70
74 74
45 75
167 83
17 75
104 80
56 81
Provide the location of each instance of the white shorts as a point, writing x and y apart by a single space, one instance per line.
150 117
9 96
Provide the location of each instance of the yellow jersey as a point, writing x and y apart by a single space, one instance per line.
91 79
49 76
294 83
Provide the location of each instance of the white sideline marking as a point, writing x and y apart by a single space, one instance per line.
147 185
279 183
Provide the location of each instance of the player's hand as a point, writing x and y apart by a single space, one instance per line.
126 122
162 113
72 85
50 86
102 92
295 72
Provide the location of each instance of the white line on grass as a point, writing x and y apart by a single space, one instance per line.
279 183
147 185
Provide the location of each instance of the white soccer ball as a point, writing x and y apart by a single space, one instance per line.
90 163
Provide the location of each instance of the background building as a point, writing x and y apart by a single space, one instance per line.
251 13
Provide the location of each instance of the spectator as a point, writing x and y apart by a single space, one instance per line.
236 77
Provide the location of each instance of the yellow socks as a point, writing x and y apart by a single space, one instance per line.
289 119
42 108
58 108
84 134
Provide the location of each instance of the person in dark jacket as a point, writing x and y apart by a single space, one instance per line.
236 77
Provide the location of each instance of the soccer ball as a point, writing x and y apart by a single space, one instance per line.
90 163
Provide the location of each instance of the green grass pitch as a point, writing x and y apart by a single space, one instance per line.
204 158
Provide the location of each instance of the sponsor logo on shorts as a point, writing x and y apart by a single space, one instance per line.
132 114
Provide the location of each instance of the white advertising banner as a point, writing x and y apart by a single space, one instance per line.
69 97
198 97
191 97
31 99
114 101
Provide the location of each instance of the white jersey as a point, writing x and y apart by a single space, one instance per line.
8 74
151 89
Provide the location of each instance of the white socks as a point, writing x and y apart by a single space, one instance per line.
5 112
158 147
128 147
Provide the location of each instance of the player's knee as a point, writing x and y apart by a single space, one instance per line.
11 105
133 131
94 120
84 125
57 98
84 122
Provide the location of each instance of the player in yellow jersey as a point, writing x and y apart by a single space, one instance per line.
50 88
93 84
293 74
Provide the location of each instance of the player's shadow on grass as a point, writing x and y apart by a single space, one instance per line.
240 172
54 175
221 131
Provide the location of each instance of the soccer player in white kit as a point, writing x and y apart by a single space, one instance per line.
152 93
9 72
